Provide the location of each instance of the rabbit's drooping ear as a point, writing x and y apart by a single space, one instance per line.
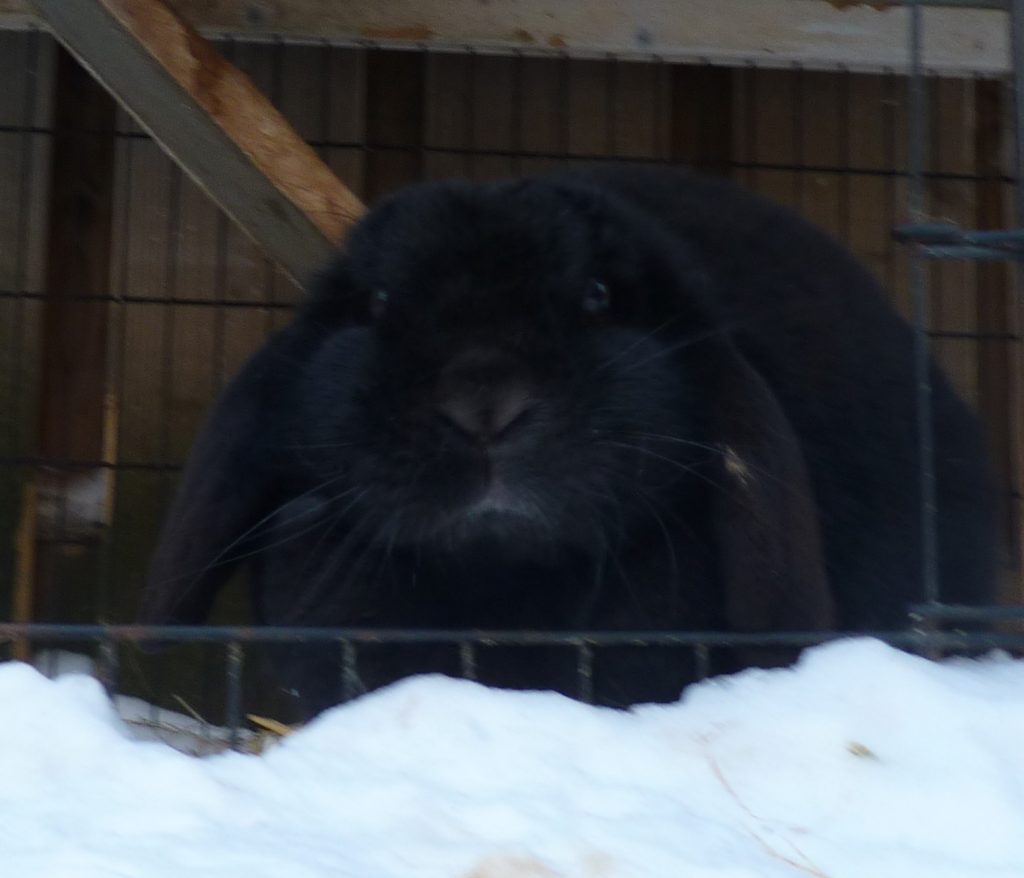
766 517
224 492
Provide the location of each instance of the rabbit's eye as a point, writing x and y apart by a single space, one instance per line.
597 299
378 303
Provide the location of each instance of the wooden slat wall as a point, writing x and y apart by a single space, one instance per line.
829 144
26 106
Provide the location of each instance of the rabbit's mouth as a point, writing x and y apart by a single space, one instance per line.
496 504
498 499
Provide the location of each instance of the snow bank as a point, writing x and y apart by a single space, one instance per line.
862 762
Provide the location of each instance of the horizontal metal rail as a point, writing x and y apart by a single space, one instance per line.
946 241
166 634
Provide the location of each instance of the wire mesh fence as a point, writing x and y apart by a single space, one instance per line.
120 326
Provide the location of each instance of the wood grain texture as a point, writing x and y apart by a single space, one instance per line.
70 504
214 122
816 33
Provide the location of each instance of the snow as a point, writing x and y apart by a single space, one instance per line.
860 762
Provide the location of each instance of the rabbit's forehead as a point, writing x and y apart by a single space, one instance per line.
437 244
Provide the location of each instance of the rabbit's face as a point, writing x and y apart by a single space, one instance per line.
505 361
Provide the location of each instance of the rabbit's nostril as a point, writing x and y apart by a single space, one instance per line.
486 417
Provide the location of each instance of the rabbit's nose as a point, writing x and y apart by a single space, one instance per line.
486 415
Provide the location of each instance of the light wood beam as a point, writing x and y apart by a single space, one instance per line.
213 121
829 34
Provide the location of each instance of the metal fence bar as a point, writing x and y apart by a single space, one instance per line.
1017 63
585 672
107 665
917 209
233 679
966 613
162 635
351 685
934 241
702 661
467 659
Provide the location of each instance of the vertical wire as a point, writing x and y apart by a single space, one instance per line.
276 81
1016 11
30 105
234 666
467 660
19 417
518 99
799 136
114 394
917 209
170 292
469 96
363 76
220 297
662 144
889 104
702 661
585 672
611 99
846 159
167 336
351 685
1017 60
750 97
564 97
326 98
108 664
61 476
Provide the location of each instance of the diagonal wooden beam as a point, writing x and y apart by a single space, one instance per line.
212 120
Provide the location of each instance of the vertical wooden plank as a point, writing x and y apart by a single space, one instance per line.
589 108
871 188
823 147
73 370
703 122
74 367
394 120
636 104
492 134
193 355
447 115
346 116
763 133
26 69
543 131
147 201
772 105
868 110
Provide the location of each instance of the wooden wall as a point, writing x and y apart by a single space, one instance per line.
190 297
26 70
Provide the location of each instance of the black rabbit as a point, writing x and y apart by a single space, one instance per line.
615 398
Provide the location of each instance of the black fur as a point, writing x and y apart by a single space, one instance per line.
704 418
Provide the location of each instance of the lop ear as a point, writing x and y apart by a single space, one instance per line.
225 490
765 515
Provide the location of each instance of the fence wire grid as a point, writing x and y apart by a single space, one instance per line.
921 177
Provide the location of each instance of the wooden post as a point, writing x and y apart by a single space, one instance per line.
73 367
